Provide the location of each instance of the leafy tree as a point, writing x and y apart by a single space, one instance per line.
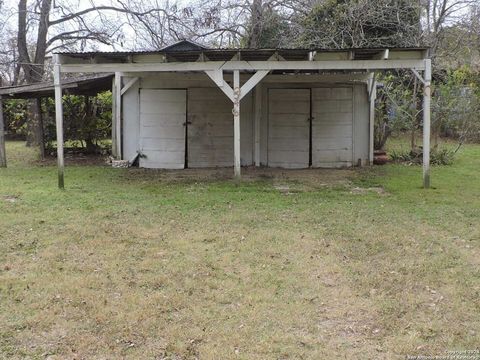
456 105
87 120
399 105
15 114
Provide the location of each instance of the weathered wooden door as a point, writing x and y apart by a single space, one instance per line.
162 128
288 128
332 127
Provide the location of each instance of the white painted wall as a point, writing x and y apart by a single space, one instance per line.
360 110
130 121
203 96
332 127
288 128
210 129
361 127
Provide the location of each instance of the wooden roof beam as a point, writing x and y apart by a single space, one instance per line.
348 65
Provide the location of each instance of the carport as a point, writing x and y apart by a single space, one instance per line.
292 108
89 85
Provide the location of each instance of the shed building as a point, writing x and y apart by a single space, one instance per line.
187 106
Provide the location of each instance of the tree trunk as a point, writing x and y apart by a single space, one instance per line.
33 70
3 155
40 129
256 25
412 139
417 115
35 136
90 146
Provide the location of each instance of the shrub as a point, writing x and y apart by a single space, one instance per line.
15 112
438 156
87 120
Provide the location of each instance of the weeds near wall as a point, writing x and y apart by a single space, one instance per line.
442 156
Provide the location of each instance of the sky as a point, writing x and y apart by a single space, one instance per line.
9 18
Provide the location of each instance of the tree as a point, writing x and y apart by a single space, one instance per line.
267 27
361 23
440 15
59 26
456 106
401 101
457 43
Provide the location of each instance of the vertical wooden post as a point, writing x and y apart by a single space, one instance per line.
114 120
3 154
426 123
118 114
372 94
59 121
236 122
257 117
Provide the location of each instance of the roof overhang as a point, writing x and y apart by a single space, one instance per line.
84 85
245 60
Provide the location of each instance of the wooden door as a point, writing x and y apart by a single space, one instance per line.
162 128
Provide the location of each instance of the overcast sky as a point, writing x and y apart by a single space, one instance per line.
10 16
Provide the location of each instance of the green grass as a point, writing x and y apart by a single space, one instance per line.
127 263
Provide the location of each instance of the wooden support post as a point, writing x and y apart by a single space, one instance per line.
426 123
236 94
118 114
257 117
252 82
129 84
236 123
59 121
114 120
217 77
3 154
372 95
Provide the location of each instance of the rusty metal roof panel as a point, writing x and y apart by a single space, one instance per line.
80 85
227 53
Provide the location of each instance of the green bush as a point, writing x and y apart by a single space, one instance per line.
15 113
87 120
439 156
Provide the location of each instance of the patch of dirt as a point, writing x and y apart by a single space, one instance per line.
298 180
307 177
359 190
10 198
75 159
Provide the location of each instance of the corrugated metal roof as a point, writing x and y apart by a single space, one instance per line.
242 50
80 85
189 55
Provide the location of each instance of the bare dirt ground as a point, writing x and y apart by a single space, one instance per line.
313 178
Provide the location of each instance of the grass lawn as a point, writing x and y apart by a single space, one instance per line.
127 263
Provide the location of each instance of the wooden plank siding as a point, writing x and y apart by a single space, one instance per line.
210 128
339 130
288 128
332 127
